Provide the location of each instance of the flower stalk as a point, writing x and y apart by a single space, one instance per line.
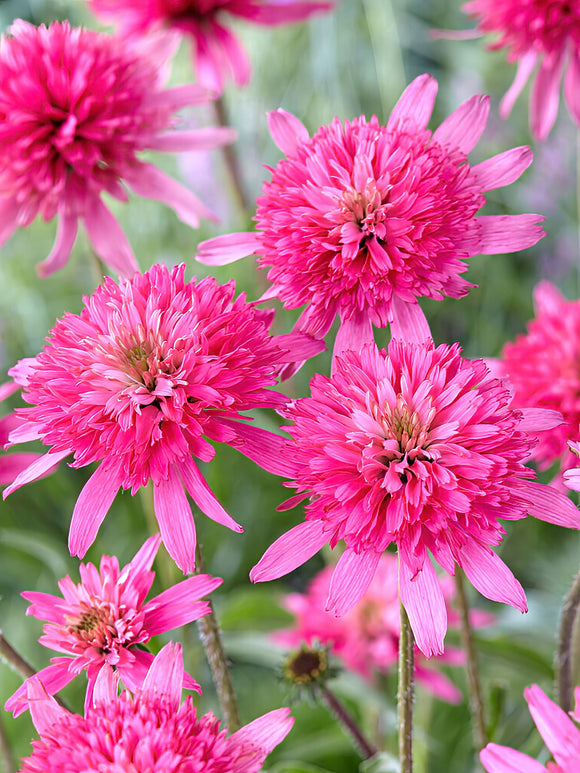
406 693
567 645
347 721
231 159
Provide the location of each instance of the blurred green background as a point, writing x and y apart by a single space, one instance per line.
356 60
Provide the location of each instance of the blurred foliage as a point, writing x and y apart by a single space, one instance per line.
354 61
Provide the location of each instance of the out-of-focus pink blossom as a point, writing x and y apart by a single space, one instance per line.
366 638
150 372
76 109
150 731
361 220
561 735
103 621
218 55
419 447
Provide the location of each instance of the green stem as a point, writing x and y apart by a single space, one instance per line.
567 642
6 752
475 693
405 693
348 722
231 159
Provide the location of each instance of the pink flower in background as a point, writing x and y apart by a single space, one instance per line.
76 109
103 622
11 465
148 732
361 220
419 447
149 372
561 735
366 638
572 475
537 33
218 55
543 368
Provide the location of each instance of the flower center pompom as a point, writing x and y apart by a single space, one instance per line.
104 626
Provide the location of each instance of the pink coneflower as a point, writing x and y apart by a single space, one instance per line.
76 109
561 735
103 622
218 56
419 447
362 219
149 372
543 368
11 465
366 639
542 33
148 732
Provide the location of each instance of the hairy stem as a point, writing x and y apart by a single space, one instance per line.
209 632
231 158
475 694
566 645
5 752
347 721
406 693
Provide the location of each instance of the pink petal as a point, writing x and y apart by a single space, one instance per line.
298 347
266 449
65 238
37 469
204 497
545 96
502 759
350 580
287 131
560 734
53 678
280 13
143 560
498 234
165 676
409 323
180 96
526 64
423 599
91 507
44 710
179 604
487 572
290 550
232 53
8 388
150 182
539 419
463 128
257 739
415 103
8 218
352 335
547 298
108 239
105 687
222 250
175 520
193 139
548 504
44 606
11 465
572 479
438 685
572 85
502 169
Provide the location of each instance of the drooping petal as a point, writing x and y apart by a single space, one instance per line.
545 96
463 128
415 103
91 507
502 169
423 599
287 131
39 467
222 250
257 739
572 85
353 333
525 66
539 419
175 520
108 238
350 579
193 139
548 504
487 572
290 551
280 13
65 238
409 323
179 605
11 465
496 234
204 497
105 687
560 734
502 759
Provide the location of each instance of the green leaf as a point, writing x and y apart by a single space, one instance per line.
380 763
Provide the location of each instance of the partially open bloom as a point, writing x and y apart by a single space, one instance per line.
218 55
561 735
537 33
149 731
76 109
543 368
419 447
366 639
104 621
361 220
141 380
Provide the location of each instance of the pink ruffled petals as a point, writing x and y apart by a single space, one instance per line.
423 599
287 131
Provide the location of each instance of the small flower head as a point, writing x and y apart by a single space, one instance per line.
418 447
103 621
150 371
561 735
307 665
218 55
76 109
543 368
361 220
148 731
536 33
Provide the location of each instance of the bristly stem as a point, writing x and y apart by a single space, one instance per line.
210 635
348 722
5 751
566 645
231 158
406 693
476 705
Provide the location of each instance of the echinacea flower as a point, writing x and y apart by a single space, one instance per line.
217 53
366 639
11 465
543 369
361 220
103 622
150 371
419 447
149 731
537 33
561 735
76 109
